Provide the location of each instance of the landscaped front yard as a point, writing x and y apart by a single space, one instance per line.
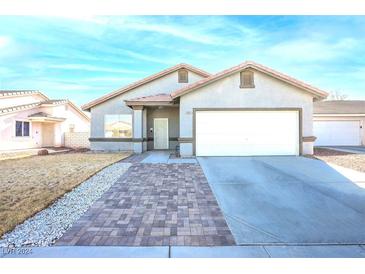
29 185
345 159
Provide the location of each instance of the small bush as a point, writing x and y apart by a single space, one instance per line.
43 152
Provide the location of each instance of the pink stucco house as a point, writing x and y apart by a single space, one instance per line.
29 119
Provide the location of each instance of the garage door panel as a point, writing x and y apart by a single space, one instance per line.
241 133
234 150
337 133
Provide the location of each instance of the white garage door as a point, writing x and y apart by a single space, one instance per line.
337 133
245 133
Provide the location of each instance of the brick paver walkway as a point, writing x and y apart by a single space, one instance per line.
154 204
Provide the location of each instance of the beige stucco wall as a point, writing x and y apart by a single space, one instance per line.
172 113
344 118
116 105
226 93
9 141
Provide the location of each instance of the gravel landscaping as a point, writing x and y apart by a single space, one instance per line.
340 158
48 225
29 185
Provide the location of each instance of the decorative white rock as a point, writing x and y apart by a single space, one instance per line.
48 225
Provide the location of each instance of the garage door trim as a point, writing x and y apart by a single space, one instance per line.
250 109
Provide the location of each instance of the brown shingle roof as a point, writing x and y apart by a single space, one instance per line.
339 107
250 64
144 81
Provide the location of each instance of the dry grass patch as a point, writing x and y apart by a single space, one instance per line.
340 158
29 185
16 155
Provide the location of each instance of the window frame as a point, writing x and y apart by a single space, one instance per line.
180 79
242 78
118 114
22 128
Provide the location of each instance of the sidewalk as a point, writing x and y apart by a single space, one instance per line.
259 251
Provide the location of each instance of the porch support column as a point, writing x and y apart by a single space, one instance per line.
137 129
144 129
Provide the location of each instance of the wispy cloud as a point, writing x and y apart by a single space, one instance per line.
83 57
312 50
207 31
4 41
94 68
144 57
169 30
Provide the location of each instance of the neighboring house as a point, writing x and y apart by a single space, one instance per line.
248 109
29 119
339 123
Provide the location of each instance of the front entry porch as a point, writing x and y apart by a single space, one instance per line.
165 157
47 129
155 124
162 127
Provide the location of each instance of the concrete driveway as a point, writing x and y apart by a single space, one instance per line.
293 200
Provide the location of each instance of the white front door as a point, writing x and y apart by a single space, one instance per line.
247 133
161 133
337 133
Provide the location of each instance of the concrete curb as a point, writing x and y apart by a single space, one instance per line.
87 252
258 251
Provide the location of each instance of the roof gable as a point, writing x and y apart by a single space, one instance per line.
320 94
48 103
144 81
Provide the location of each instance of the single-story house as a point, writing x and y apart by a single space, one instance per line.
29 119
248 109
339 123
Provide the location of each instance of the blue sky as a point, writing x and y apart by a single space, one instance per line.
84 58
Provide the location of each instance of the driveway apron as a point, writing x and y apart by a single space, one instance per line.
291 200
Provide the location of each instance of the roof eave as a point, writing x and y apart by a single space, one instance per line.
16 109
80 111
315 92
339 114
148 79
46 119
154 103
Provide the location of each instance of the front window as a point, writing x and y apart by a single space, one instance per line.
118 125
21 129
